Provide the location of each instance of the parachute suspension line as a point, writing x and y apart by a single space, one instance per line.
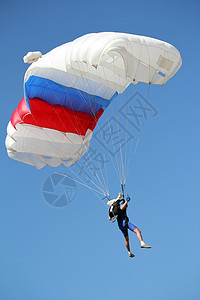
114 163
120 137
106 197
92 173
93 190
127 161
117 169
118 161
63 174
106 187
125 98
107 146
89 151
102 192
77 164
148 91
106 175
102 200
129 165
92 162
127 121
125 154
147 97
108 149
71 143
86 177
135 148
100 168
105 142
129 149
122 162
111 133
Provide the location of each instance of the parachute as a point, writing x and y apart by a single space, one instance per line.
68 89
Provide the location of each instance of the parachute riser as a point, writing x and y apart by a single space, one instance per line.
123 188
123 191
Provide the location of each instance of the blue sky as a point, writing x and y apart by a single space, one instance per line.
74 252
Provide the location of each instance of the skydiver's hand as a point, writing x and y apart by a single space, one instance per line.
124 205
128 199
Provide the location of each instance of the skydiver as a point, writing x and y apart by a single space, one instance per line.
117 211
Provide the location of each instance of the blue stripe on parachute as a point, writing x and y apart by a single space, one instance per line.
54 93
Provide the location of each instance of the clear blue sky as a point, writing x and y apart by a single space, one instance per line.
49 253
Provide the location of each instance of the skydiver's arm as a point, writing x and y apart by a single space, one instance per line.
124 206
110 218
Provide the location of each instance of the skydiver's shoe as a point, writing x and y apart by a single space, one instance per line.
131 254
145 246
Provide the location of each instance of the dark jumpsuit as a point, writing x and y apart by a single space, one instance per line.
123 221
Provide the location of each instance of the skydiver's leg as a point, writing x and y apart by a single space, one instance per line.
133 228
128 245
139 234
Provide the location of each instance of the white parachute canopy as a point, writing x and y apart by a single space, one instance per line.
118 57
96 67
